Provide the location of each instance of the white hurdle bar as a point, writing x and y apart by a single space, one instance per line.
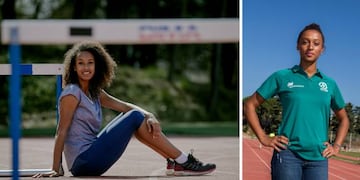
38 69
123 31
34 69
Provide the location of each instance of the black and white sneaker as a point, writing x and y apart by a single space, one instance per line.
193 167
170 167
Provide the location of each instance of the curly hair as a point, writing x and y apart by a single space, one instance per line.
104 66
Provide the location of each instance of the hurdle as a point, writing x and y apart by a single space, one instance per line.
26 69
37 69
15 70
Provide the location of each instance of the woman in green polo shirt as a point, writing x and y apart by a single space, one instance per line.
301 146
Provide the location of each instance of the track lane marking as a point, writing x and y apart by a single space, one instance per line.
257 155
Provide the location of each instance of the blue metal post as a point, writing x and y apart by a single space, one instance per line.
58 92
15 94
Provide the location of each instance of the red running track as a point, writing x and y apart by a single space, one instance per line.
256 164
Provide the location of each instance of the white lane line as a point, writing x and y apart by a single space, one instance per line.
332 174
344 170
257 155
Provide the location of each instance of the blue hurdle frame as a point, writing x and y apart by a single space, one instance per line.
14 103
17 70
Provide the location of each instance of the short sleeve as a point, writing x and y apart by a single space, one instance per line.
337 101
71 89
269 87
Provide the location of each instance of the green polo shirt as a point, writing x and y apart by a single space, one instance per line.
306 103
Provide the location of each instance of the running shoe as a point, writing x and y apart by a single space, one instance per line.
193 167
170 167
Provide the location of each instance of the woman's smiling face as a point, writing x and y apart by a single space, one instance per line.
85 66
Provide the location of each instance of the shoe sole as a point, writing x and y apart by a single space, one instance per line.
192 173
170 172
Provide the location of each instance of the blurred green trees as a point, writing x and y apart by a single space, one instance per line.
192 82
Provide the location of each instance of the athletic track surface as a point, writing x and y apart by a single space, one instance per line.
256 164
138 161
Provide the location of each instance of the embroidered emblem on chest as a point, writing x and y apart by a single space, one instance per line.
292 85
323 86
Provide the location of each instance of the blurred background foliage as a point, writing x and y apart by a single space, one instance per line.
179 83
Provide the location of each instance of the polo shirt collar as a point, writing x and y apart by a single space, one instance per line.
299 69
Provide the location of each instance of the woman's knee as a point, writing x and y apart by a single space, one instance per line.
136 116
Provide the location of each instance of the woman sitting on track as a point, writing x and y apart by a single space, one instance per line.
89 152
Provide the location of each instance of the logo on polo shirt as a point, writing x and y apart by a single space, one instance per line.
323 86
292 85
